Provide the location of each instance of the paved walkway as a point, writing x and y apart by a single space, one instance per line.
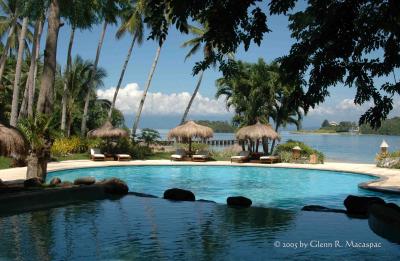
389 178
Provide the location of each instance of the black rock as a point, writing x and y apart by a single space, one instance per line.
115 186
205 200
55 181
84 181
318 208
33 182
239 201
138 194
179 195
65 184
384 220
359 205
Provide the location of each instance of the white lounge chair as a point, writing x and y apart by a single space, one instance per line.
123 157
96 155
243 156
270 159
180 154
201 156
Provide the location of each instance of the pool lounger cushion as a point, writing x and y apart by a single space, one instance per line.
269 159
177 157
123 157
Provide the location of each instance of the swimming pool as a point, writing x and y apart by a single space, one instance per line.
267 187
135 228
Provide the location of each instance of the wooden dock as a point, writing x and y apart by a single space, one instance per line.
208 142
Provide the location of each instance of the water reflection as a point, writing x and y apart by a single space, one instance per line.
134 228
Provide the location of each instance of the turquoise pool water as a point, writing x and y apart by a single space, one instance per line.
134 228
267 187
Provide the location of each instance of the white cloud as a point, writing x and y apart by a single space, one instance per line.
158 103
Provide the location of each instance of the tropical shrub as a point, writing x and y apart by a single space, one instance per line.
388 160
64 146
226 153
149 136
285 152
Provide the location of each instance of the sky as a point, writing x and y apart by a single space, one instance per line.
173 81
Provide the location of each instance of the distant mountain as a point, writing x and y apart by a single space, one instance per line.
218 126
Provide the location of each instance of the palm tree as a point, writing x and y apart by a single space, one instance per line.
132 23
195 45
9 22
15 99
37 162
77 79
146 89
80 15
109 10
27 101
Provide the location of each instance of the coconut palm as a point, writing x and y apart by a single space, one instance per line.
195 44
18 68
108 11
37 162
79 84
132 22
146 89
8 23
27 101
81 15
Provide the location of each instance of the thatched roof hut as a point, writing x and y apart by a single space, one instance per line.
108 131
257 131
190 130
12 143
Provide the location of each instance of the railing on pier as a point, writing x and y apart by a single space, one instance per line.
208 142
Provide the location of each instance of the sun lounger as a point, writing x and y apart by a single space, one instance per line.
180 154
270 159
201 156
243 156
96 155
121 157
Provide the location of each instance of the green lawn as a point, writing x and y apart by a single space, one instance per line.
5 163
159 156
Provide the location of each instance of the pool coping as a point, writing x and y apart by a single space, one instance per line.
388 179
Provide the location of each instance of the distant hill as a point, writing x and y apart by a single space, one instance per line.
218 126
389 127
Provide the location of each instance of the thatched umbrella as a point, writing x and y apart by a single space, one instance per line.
190 130
257 132
12 143
108 131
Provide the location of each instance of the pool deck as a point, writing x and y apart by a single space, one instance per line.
389 178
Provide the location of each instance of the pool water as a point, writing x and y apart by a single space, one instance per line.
266 187
135 228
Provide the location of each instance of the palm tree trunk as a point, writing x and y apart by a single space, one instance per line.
90 85
121 77
31 75
37 161
196 90
276 130
31 96
4 55
45 99
139 112
65 91
18 69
